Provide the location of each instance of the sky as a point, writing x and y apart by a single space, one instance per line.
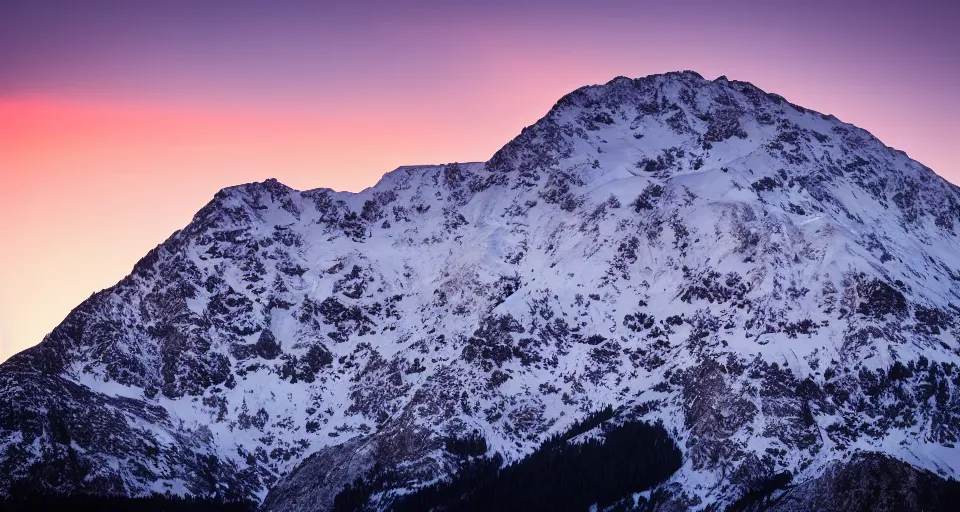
120 119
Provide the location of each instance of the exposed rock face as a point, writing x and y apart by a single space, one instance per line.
869 482
315 483
778 287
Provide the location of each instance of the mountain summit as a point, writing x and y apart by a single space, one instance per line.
775 290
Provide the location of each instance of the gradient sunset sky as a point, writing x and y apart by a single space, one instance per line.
120 119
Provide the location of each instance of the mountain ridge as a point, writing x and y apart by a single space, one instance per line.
699 252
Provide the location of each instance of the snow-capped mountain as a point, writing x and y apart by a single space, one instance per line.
778 288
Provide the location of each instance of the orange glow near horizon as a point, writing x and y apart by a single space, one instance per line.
90 187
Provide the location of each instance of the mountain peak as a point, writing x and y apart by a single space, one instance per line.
713 124
269 185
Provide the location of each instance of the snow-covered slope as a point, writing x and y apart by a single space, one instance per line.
777 287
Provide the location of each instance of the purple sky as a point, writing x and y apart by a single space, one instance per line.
287 51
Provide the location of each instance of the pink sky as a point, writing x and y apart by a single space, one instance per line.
106 149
